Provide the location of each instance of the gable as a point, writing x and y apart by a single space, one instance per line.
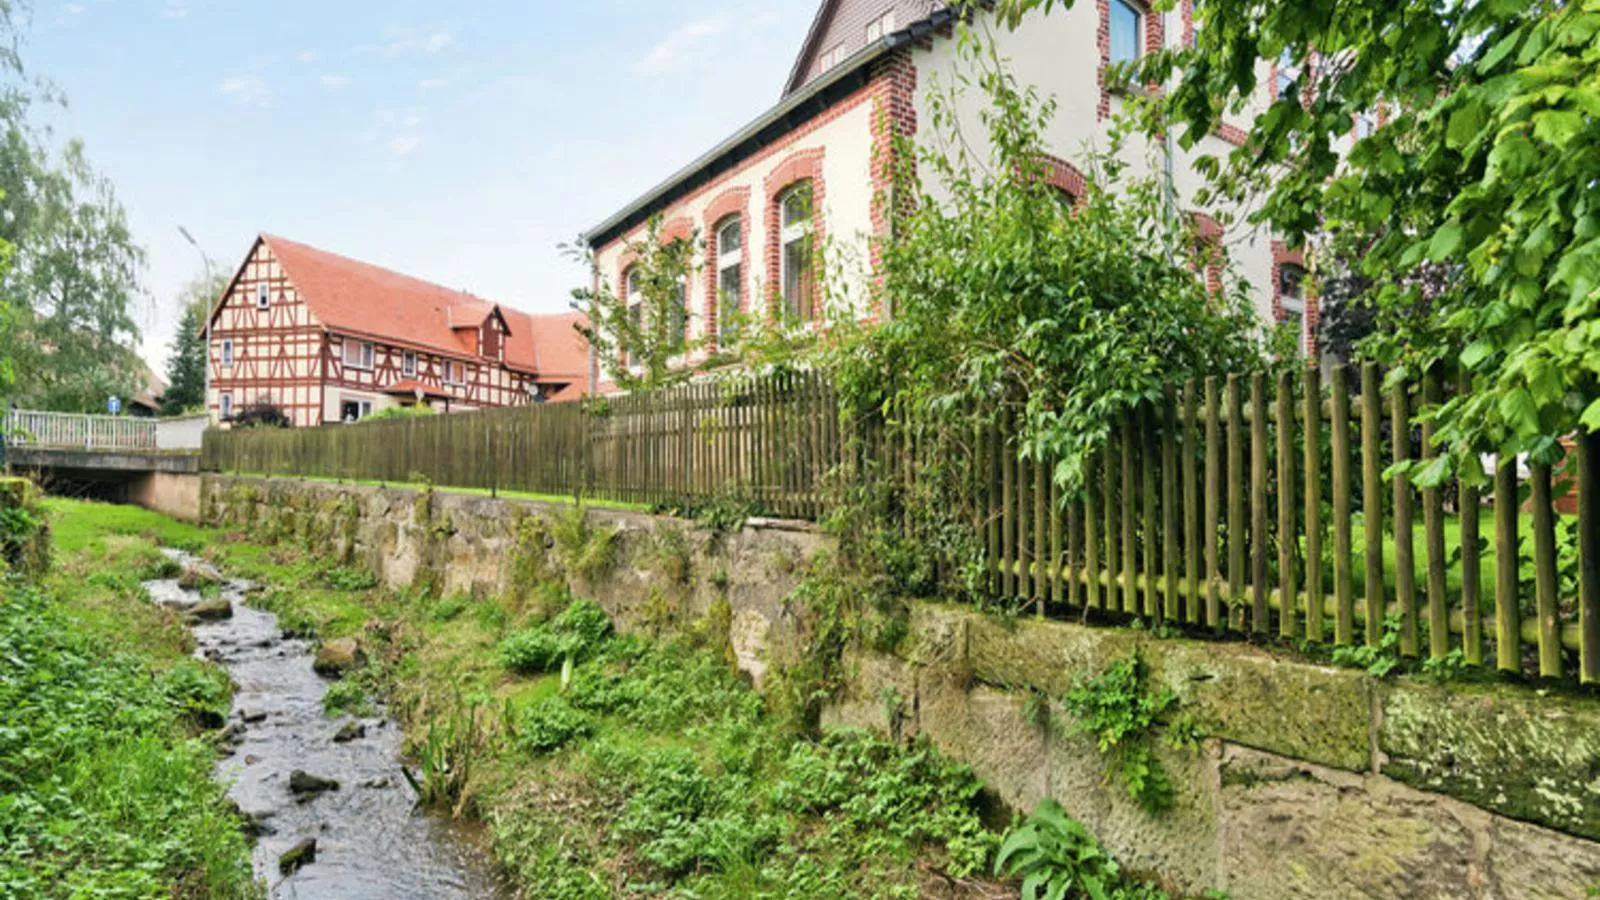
261 266
840 31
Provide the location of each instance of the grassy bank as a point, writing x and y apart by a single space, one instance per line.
105 787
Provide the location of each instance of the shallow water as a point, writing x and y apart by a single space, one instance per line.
372 842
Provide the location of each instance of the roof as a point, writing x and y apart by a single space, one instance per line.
813 99
414 388
354 297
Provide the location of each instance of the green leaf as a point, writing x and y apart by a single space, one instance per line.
1446 241
1465 124
1476 352
1591 417
1558 127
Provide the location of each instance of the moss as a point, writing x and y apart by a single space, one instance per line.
24 531
1530 757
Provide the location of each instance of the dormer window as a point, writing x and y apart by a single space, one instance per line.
880 26
263 295
833 57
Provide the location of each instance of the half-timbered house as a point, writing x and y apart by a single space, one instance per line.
322 338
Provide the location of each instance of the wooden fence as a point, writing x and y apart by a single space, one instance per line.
1243 504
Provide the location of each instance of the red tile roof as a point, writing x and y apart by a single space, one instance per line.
347 295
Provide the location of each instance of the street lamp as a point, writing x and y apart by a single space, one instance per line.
205 259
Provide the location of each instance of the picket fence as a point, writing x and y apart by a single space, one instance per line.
1233 505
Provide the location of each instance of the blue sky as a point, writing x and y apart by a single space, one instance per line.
459 142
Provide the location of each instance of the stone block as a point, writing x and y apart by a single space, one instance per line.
1535 758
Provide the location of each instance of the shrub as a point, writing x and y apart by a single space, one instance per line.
550 724
576 633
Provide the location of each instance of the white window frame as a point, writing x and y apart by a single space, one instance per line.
227 353
225 405
788 234
880 26
365 354
1295 303
634 291
455 373
832 57
408 363
1138 31
263 295
1366 124
363 406
729 261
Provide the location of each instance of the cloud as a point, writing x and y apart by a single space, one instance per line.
432 84
306 56
175 9
407 42
249 90
402 145
334 82
680 48
73 9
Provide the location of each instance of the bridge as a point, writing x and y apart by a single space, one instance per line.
119 458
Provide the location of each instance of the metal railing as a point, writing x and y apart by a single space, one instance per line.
76 431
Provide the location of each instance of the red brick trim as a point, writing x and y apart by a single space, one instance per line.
1188 23
1209 232
732 202
1155 39
800 166
895 116
1282 255
1233 134
1058 173
677 228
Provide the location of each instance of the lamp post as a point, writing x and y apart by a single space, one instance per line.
205 260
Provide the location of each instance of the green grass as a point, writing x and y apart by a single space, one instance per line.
554 499
105 768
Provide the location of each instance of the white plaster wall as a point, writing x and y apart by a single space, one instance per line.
1058 54
846 209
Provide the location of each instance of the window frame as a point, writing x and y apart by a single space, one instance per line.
1293 304
729 261
803 229
226 353
633 301
831 57
454 376
366 355
263 295
408 363
363 407
225 405
884 25
1138 12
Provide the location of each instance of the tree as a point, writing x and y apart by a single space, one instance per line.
186 366
1486 167
637 328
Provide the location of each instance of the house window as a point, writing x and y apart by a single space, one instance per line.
354 409
408 364
226 400
358 354
1127 23
833 57
455 372
1287 74
799 282
730 275
1292 300
227 353
263 295
1366 124
678 319
880 26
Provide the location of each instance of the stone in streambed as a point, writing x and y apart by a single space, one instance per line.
306 786
337 657
196 577
252 716
350 731
212 610
296 857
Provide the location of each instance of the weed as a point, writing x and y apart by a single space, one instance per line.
550 724
1123 716
673 558
573 635
586 551
448 609
347 696
343 578
451 748
1055 856
1379 661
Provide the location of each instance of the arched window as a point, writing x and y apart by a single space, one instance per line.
1292 299
635 299
794 241
730 275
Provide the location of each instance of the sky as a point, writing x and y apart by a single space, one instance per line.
458 142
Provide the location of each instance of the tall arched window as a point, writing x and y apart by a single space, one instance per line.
730 276
635 298
1292 300
798 275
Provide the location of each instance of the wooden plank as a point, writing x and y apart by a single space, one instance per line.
1168 606
1147 523
1343 575
1056 564
995 512
1091 531
1433 530
1191 505
1041 537
1288 538
1507 610
1130 550
1544 571
1214 493
1008 506
1258 504
1236 503
1405 571
1588 556
1372 502
1113 532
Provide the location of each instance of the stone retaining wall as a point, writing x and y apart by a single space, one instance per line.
1313 782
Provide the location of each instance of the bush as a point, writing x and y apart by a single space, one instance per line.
577 633
550 724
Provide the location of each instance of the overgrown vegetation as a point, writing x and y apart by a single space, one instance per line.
1126 718
104 760
1056 857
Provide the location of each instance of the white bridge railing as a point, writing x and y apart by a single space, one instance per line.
76 431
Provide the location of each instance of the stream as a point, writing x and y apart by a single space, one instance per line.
371 841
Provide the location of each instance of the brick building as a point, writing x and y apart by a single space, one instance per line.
815 166
324 338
